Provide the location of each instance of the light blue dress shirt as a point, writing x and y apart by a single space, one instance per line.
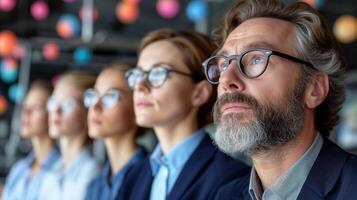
20 184
106 186
166 168
70 183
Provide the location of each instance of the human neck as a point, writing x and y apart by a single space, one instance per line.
42 146
271 164
71 147
120 149
171 135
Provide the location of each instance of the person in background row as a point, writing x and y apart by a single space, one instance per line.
281 85
68 123
111 118
26 176
172 96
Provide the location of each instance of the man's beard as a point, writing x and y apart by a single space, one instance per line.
271 125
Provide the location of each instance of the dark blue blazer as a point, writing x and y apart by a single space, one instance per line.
206 170
333 176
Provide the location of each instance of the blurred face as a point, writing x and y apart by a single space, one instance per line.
111 111
259 113
67 113
34 115
171 102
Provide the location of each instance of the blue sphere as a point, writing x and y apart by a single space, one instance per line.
82 55
16 93
197 10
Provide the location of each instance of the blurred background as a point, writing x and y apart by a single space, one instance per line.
43 38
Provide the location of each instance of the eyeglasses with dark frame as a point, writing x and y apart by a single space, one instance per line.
108 100
251 63
156 76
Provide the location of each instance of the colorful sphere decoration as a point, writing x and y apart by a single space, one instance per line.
39 10
8 42
95 13
168 8
68 26
4 104
127 12
315 3
16 93
196 10
7 5
51 51
8 70
82 55
345 29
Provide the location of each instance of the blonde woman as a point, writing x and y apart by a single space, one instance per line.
26 176
68 123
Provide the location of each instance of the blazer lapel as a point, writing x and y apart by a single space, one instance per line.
324 173
192 169
143 185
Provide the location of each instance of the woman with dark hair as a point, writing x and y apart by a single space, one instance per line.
111 118
27 175
172 96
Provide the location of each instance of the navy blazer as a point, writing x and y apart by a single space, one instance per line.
333 176
206 170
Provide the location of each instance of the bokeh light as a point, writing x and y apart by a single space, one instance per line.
8 70
196 10
16 93
68 26
39 10
127 12
4 104
168 8
8 42
82 55
7 5
345 29
50 51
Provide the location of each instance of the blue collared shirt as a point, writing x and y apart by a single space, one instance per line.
70 183
166 168
289 184
106 186
20 184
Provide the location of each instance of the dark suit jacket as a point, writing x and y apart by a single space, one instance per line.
333 176
206 170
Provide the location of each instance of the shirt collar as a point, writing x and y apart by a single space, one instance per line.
178 156
50 159
288 185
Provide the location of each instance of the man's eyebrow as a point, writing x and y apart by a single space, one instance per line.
259 44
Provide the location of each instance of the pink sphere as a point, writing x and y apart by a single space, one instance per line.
7 5
51 51
39 10
168 8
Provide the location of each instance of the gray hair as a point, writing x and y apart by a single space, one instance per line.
314 43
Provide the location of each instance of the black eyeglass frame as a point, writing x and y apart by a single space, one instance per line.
147 72
238 58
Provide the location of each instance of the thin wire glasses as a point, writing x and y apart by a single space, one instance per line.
67 105
156 76
108 100
251 63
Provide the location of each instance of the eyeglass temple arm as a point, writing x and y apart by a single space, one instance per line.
293 59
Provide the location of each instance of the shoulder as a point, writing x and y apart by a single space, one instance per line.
237 188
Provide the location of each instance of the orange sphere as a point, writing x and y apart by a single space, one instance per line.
345 29
7 43
3 105
127 12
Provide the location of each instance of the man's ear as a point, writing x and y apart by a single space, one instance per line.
202 93
317 91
